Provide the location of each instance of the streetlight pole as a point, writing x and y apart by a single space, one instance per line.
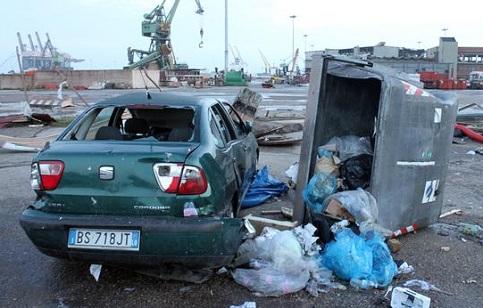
305 43
226 40
293 35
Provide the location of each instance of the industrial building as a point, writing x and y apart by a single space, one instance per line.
43 56
446 58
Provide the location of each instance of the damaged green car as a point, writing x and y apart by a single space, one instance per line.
144 180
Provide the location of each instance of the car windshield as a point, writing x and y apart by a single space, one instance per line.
135 122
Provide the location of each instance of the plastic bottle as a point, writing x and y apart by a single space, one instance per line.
471 229
363 284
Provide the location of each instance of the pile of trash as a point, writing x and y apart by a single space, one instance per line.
280 262
343 240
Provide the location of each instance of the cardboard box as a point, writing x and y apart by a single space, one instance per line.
327 165
404 297
336 210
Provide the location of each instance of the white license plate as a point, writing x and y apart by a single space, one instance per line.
104 239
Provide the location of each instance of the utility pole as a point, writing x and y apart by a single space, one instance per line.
293 35
226 39
305 43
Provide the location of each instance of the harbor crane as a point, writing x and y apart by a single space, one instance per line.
157 26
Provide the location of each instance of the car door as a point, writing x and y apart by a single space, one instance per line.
244 148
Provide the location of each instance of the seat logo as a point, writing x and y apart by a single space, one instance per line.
106 172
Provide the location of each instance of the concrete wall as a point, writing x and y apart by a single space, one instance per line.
79 78
139 78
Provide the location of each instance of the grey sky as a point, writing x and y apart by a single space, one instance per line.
100 31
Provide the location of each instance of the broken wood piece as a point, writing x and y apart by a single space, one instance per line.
287 212
270 212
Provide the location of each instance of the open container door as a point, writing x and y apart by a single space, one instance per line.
410 130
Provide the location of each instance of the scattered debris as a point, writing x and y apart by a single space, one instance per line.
394 245
445 248
406 230
404 297
277 140
277 263
263 188
245 305
443 232
471 229
405 269
246 103
33 144
424 286
95 270
455 211
260 223
470 133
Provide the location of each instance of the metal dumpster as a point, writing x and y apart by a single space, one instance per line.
411 131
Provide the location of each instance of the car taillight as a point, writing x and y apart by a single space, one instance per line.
180 179
46 175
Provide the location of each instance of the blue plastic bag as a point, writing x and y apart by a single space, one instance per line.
263 188
320 186
383 266
348 256
360 257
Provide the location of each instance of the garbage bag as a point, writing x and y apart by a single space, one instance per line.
320 186
263 188
383 266
348 256
360 204
356 171
360 257
267 281
280 266
350 146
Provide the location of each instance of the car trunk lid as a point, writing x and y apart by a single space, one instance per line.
112 178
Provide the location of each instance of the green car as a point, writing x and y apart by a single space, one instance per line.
144 180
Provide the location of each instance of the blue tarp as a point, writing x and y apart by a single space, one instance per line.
263 188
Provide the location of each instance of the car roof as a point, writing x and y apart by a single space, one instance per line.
157 98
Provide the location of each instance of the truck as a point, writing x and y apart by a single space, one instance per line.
475 80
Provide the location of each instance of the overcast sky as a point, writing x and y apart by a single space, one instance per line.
100 31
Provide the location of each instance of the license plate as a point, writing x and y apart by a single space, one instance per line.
104 239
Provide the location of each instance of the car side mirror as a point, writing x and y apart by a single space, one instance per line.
249 126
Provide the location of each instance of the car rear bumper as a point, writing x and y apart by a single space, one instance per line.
200 242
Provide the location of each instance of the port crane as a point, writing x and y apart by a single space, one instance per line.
157 26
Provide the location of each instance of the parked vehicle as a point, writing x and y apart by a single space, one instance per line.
476 80
138 181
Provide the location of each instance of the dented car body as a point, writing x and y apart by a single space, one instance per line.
138 181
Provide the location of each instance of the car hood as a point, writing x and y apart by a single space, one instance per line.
132 188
